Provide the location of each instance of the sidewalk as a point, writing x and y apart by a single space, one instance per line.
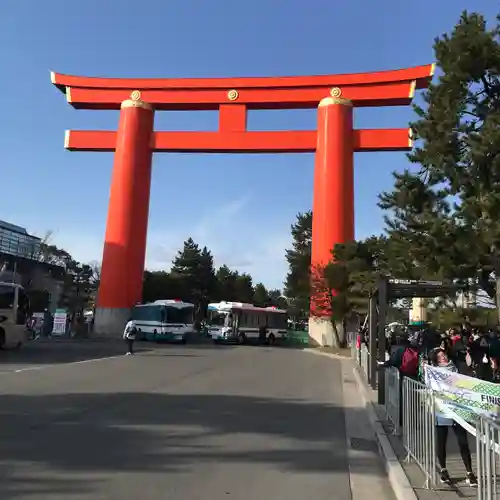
367 475
414 487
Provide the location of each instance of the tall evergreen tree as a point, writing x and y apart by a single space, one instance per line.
458 138
297 283
244 288
193 279
207 278
226 284
233 286
419 226
347 281
260 295
196 268
160 285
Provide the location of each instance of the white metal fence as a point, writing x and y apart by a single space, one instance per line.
411 404
393 390
419 428
488 458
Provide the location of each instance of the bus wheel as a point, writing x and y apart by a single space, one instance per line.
271 340
241 338
2 338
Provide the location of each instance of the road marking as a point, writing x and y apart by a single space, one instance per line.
56 365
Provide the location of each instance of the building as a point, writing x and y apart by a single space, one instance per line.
16 241
20 262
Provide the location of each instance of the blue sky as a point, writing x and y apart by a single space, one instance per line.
240 206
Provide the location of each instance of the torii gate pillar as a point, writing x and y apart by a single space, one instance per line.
333 201
124 251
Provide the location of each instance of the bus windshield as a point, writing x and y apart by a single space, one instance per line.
146 313
183 315
14 303
217 318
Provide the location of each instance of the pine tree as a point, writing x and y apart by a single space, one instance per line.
348 279
244 288
233 286
458 138
297 283
196 269
226 284
188 260
418 225
206 275
160 285
260 295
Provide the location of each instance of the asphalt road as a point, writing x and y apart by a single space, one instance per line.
171 422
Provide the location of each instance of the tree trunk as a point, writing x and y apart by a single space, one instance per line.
338 334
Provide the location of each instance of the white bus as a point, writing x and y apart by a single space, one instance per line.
239 322
171 320
14 307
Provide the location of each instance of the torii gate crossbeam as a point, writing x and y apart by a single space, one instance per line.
334 142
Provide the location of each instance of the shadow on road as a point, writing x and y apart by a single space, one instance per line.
55 352
60 351
38 353
70 435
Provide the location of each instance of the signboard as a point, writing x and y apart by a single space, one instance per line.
401 288
393 281
60 319
462 398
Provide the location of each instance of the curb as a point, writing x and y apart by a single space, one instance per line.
312 350
397 478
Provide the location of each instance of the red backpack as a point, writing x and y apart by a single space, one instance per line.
409 363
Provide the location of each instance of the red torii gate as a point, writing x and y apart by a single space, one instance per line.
334 142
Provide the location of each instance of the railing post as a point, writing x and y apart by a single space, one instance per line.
372 341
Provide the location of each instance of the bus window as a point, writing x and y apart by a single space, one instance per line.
182 315
262 320
147 313
7 294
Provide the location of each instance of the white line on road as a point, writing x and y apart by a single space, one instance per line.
55 365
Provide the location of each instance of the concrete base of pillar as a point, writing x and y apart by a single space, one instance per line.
110 321
320 332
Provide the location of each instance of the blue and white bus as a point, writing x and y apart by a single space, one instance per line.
171 320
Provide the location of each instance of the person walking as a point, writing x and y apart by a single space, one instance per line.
439 358
129 335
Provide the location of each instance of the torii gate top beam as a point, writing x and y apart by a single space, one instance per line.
383 88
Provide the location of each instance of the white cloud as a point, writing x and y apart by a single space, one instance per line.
232 241
250 247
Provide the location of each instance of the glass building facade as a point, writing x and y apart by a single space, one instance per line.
15 240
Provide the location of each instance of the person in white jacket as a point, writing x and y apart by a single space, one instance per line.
129 336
